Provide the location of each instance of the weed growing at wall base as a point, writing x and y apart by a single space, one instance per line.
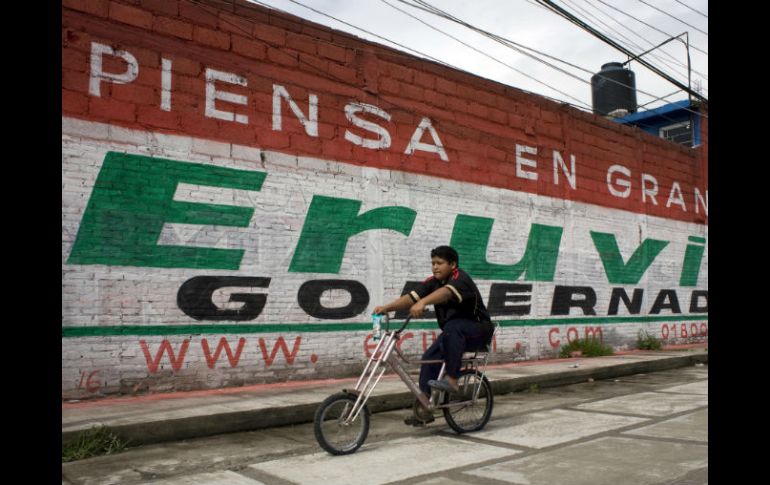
586 348
645 341
96 441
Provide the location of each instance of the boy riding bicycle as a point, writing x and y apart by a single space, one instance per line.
461 315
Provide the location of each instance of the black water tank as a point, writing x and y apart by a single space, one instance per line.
609 96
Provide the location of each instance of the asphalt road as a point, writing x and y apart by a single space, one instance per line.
640 429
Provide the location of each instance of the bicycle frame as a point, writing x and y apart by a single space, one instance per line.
384 354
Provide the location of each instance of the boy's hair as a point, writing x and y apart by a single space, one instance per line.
447 253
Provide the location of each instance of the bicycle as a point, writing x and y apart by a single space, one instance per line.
341 422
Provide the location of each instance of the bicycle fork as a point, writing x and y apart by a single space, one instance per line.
365 386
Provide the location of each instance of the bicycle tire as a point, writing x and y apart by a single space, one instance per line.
471 417
334 437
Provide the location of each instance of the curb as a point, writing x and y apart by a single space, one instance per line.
565 378
201 426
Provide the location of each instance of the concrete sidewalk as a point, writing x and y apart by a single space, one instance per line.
176 416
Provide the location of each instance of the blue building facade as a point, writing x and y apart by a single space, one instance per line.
678 122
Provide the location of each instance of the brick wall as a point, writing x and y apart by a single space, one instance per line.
240 180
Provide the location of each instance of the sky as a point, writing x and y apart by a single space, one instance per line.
530 25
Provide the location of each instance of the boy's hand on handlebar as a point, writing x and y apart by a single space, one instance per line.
379 310
417 310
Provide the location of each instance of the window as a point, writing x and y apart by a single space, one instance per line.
678 133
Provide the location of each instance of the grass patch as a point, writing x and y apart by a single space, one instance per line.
645 341
586 348
94 442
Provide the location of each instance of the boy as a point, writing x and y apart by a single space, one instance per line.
461 315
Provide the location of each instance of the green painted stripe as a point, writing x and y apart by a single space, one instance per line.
697 239
601 320
149 330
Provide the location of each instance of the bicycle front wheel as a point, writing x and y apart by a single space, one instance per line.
463 414
331 431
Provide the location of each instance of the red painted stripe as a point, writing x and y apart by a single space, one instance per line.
483 125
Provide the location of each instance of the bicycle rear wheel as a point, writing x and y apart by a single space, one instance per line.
470 416
332 433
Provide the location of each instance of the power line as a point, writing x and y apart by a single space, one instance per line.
494 58
637 46
423 54
311 66
357 28
664 97
628 42
648 25
675 18
572 18
696 11
427 7
424 5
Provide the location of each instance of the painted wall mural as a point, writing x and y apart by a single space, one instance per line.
231 216
181 274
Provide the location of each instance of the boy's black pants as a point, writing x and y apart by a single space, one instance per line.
458 336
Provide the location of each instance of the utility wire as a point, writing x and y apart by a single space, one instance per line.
675 18
424 5
494 58
395 52
533 2
635 45
628 42
311 66
426 55
648 25
696 11
572 18
427 7
358 28
664 97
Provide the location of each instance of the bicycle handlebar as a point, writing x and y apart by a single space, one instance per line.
387 323
406 322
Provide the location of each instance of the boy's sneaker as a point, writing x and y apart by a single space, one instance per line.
415 421
442 385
